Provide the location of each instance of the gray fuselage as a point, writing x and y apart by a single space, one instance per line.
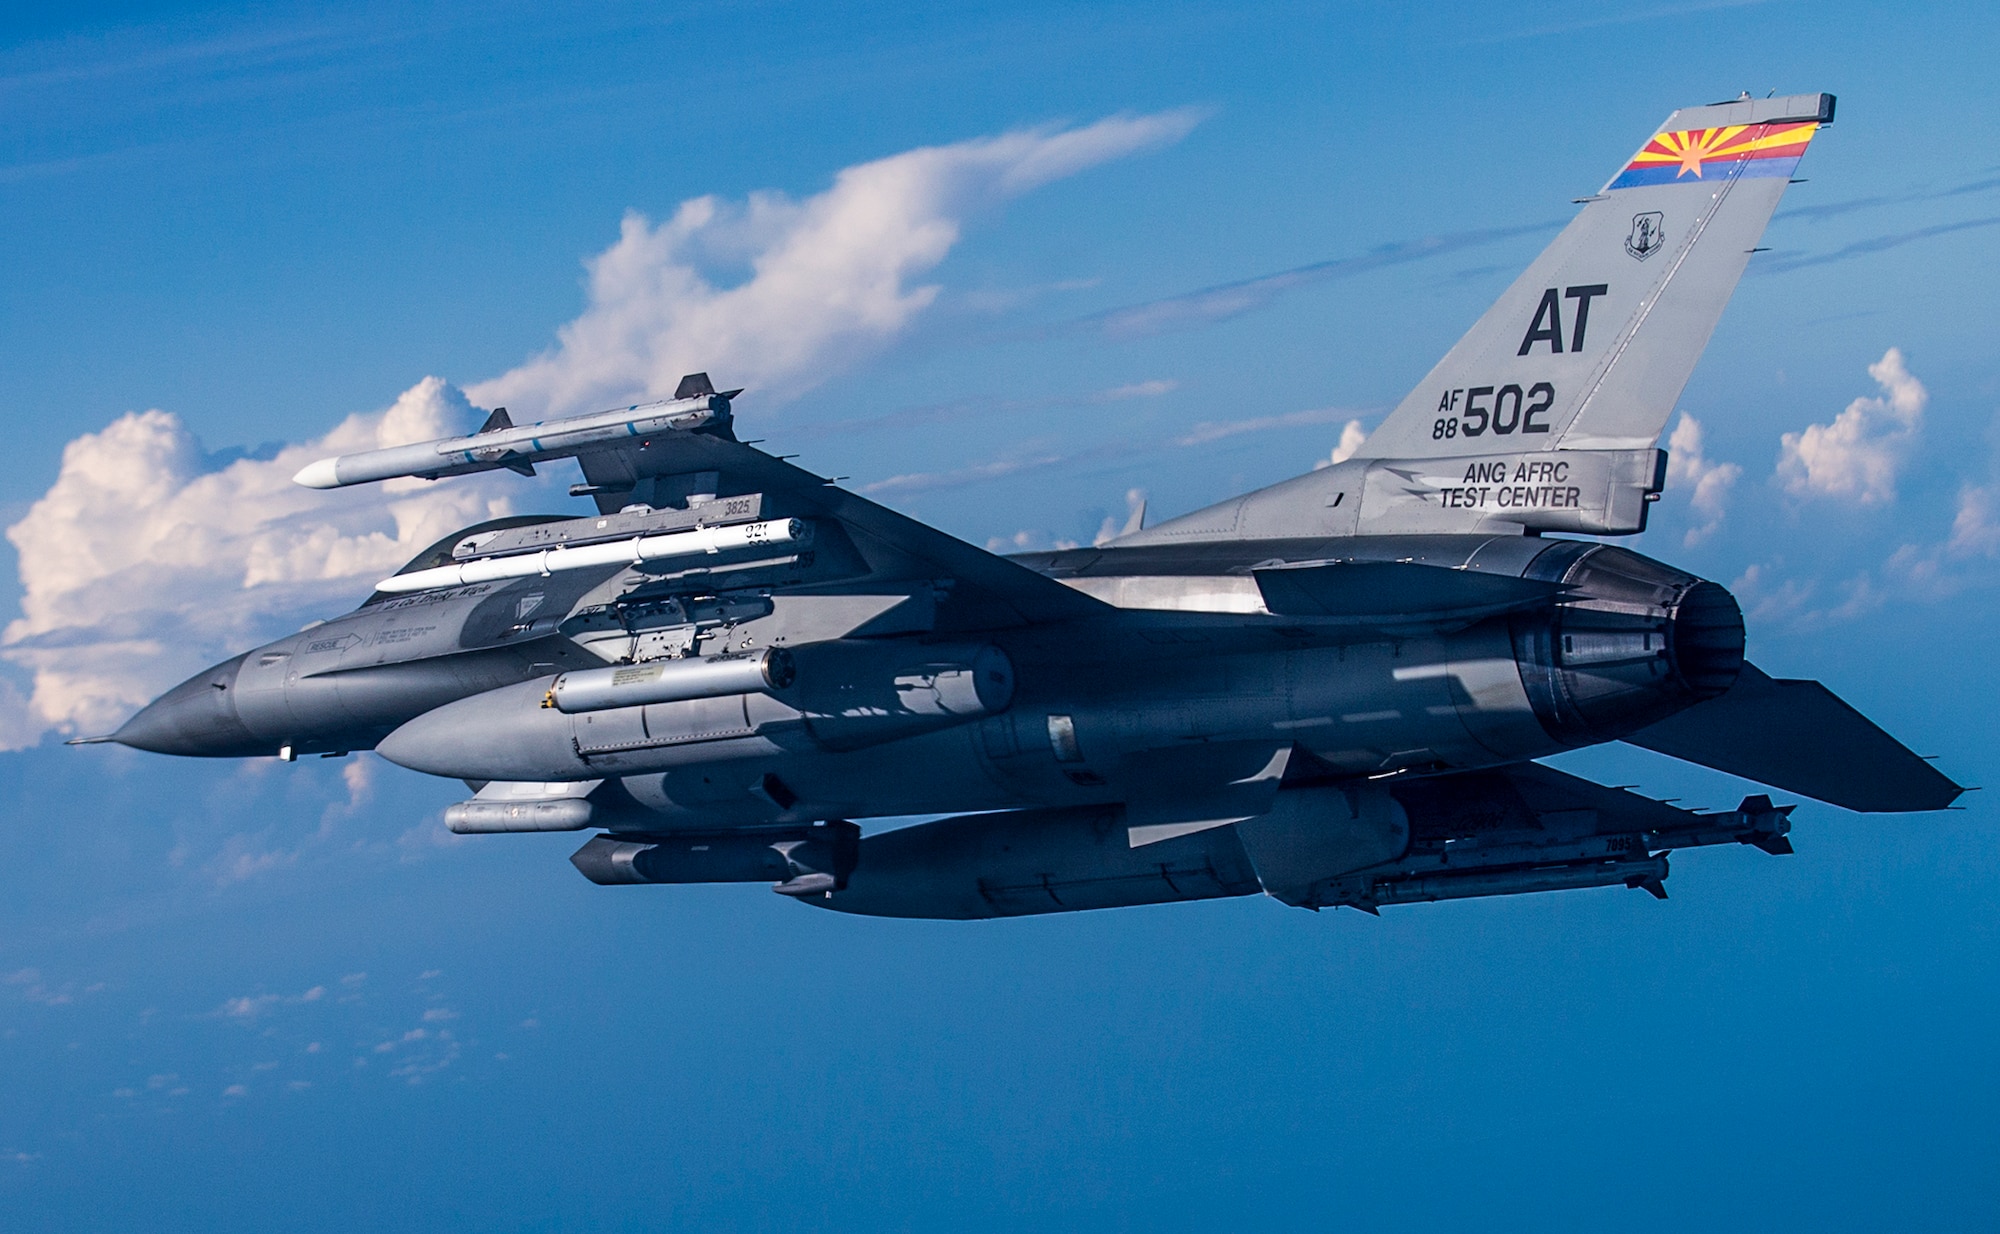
1189 668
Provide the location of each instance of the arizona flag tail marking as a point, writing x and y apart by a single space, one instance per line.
1743 149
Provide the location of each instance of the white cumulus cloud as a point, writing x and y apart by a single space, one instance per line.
1707 481
1351 437
830 278
1859 455
146 560
1975 528
1943 569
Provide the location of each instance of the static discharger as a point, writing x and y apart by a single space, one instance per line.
700 542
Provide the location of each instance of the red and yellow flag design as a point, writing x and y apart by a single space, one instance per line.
1698 154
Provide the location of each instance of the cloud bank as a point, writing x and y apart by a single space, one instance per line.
831 277
1859 455
1708 482
150 558
146 560
1964 557
1352 437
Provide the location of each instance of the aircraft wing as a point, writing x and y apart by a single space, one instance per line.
987 589
659 455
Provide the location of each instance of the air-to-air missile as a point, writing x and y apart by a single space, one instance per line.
503 444
1332 690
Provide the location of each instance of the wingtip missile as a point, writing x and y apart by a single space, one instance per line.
517 447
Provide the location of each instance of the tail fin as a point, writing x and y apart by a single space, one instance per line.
1544 416
1589 349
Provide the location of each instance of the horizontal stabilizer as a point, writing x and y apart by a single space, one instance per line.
1392 592
1799 736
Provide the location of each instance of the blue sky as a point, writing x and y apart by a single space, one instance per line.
1173 249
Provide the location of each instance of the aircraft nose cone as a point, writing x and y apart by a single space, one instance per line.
196 718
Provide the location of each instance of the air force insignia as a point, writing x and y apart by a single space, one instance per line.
1648 234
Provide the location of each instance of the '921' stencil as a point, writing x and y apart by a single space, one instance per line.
1472 411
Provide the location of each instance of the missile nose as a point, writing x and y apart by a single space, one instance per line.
320 474
196 718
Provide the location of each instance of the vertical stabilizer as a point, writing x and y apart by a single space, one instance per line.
1545 415
1589 349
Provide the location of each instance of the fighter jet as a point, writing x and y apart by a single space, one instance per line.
1333 691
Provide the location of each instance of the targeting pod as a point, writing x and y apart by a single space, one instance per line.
507 806
672 681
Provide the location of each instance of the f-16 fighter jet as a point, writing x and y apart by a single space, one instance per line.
1332 691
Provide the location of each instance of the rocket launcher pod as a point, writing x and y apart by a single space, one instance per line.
671 681
700 542
515 448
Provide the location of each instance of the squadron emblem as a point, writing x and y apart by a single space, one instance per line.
1647 236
